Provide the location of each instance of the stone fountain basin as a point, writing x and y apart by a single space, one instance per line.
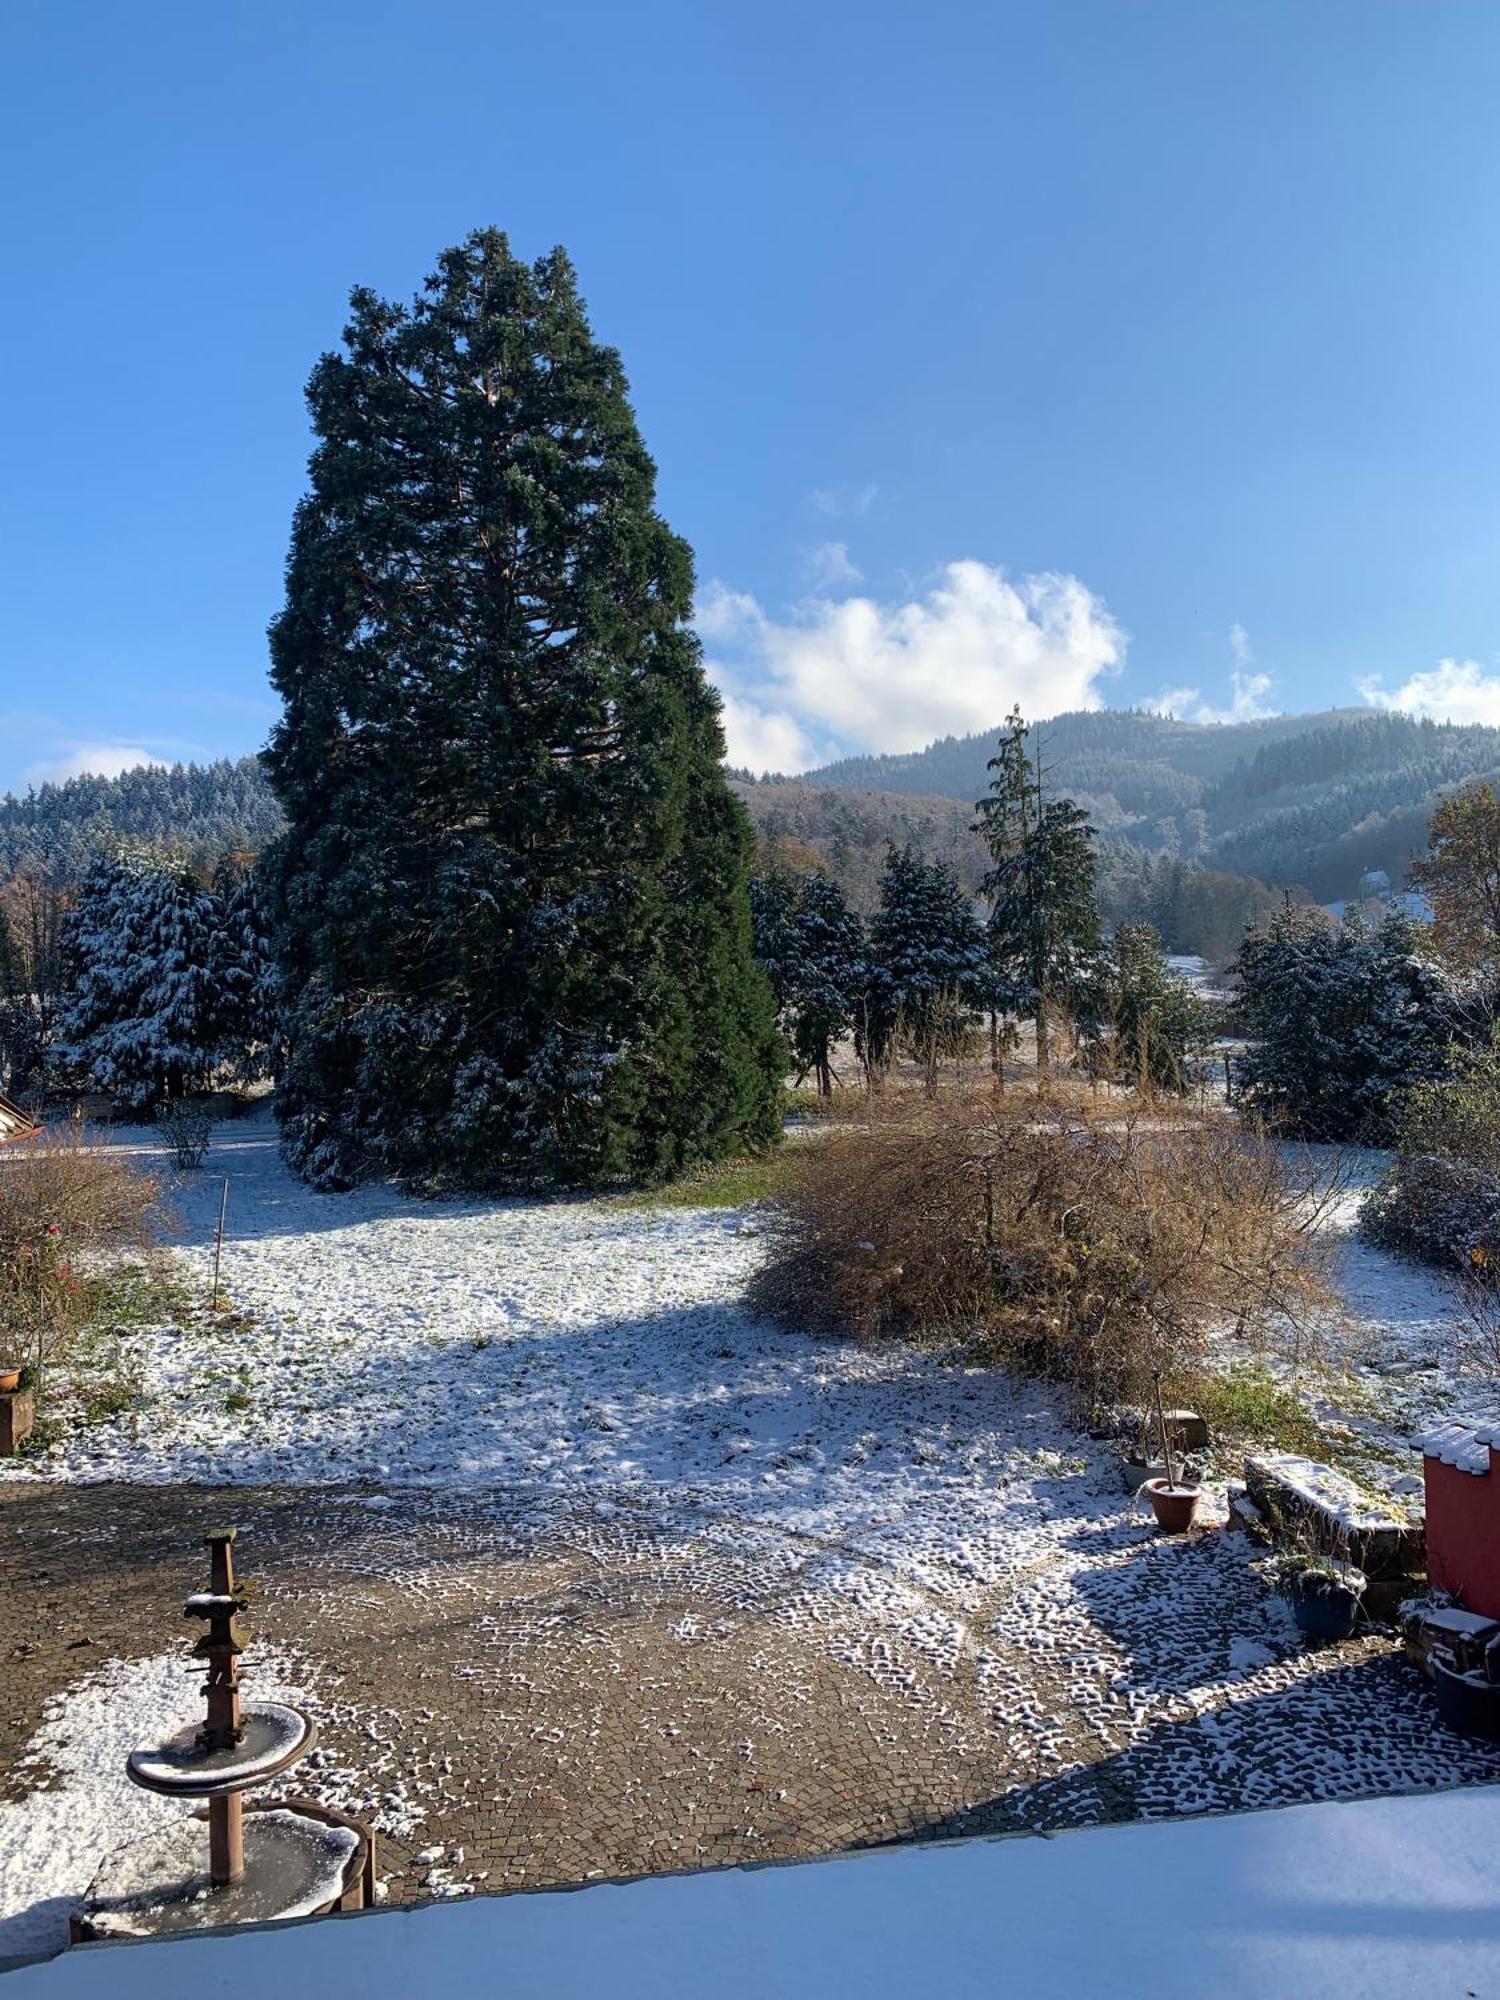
295 1866
273 1736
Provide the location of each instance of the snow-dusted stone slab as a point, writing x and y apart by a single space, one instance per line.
1302 1498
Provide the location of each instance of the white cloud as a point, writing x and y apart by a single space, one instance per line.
844 499
98 760
891 677
1247 691
1452 691
763 739
829 565
1247 701
726 617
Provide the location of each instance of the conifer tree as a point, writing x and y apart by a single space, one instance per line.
1151 1020
812 948
1043 930
140 1019
927 961
1344 1021
243 972
512 908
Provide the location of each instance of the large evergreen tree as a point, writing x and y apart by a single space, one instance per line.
512 891
1042 886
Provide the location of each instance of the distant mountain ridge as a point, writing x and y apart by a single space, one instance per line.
1306 801
1303 801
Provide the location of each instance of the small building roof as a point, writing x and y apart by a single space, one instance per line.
14 1122
1463 1446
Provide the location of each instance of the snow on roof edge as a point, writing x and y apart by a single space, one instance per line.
1466 1447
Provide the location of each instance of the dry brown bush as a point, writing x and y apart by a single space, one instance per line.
64 1200
1087 1243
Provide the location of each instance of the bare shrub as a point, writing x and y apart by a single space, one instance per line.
63 1202
1439 1202
1476 1315
1095 1245
187 1128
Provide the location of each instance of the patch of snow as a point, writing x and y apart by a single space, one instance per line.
53 1841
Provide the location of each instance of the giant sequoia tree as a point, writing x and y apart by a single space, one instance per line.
512 892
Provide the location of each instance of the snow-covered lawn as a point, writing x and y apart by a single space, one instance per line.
1401 1343
539 1347
905 1551
590 1345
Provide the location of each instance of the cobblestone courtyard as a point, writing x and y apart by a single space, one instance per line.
539 1696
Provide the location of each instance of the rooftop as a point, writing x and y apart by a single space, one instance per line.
1363 1898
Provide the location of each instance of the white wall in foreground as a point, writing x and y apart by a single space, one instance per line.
1366 1899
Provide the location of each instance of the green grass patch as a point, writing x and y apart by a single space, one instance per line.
1249 1405
107 1397
149 1293
735 1184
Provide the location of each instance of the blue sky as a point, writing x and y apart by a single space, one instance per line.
1080 351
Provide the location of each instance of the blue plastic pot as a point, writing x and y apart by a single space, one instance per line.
1324 1608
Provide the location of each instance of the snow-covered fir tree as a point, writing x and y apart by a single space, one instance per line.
812 948
512 894
1150 1021
1344 1019
243 969
928 964
140 1020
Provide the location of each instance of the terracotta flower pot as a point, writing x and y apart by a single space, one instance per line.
10 1378
1173 1506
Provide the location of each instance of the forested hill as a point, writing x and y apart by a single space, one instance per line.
1196 820
1308 801
206 810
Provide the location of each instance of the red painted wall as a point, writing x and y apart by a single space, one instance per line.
1463 1533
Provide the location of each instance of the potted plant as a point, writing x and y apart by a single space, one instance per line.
1174 1503
1325 1595
1466 1675
10 1375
